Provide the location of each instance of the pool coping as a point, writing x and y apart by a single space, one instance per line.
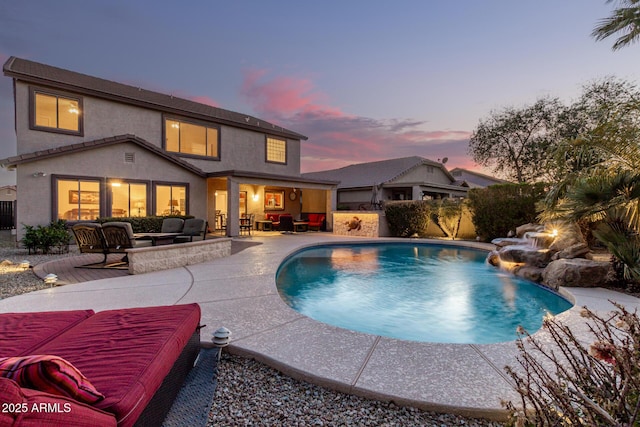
239 292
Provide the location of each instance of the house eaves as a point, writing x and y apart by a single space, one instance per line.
14 161
46 75
271 177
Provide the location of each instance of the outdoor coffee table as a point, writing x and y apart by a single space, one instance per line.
300 226
264 225
157 238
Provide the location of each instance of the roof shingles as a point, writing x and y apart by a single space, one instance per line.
31 71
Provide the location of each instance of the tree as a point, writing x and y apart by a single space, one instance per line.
515 142
624 20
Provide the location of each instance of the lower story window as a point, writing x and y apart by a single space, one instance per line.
78 199
171 199
128 199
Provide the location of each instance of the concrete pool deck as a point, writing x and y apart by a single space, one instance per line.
239 292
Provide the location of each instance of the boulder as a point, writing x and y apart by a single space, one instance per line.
493 258
569 235
529 273
579 250
506 241
528 227
577 272
524 254
539 239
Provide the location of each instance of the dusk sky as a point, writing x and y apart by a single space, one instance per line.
364 80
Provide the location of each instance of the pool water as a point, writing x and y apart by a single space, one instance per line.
417 292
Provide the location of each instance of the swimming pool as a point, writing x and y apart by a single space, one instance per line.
417 292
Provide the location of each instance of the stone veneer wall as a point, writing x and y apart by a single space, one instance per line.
372 223
163 257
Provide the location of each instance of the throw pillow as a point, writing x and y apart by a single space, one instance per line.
51 374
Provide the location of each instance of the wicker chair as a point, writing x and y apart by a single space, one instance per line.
193 227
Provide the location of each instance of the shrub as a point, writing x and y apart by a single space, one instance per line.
594 386
53 237
406 219
497 209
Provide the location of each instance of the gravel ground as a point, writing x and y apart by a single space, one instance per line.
250 393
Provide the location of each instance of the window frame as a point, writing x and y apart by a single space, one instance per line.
154 200
58 94
54 192
109 194
266 150
196 122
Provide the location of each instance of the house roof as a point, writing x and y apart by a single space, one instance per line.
90 145
470 174
380 172
47 75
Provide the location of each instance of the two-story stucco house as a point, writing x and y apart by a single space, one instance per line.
89 147
406 178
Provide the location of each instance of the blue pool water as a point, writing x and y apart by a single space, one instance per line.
418 292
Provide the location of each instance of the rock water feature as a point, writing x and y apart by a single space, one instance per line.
552 257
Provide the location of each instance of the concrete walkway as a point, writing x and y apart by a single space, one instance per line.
239 292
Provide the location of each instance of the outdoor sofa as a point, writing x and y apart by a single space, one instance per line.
110 368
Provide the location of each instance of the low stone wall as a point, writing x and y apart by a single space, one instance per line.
360 223
163 257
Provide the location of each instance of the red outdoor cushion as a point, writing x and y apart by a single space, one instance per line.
51 374
127 353
22 407
22 333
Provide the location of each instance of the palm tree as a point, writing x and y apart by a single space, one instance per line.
625 20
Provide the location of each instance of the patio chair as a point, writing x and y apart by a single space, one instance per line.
246 224
119 238
193 227
286 223
90 240
172 225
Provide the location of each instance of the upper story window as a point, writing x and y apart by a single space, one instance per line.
55 112
276 150
190 138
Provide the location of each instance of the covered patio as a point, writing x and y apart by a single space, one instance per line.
233 196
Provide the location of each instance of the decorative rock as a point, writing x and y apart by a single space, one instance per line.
521 230
530 273
579 250
493 258
522 254
569 235
576 272
539 239
501 242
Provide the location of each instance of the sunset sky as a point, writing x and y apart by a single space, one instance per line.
364 80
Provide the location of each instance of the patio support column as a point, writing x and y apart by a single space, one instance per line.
416 193
233 207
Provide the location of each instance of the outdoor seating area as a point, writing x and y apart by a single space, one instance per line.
118 237
119 367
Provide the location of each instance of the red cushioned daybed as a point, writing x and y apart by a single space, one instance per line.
137 358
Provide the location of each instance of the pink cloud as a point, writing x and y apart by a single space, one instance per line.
337 138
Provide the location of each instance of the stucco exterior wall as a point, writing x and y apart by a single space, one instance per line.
421 174
240 149
35 205
102 119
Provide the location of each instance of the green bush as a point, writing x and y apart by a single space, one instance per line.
406 219
497 209
47 239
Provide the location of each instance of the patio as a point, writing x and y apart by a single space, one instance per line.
239 292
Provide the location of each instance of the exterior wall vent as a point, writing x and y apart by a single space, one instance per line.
129 157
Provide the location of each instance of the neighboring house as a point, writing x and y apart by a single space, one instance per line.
408 178
89 147
475 179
